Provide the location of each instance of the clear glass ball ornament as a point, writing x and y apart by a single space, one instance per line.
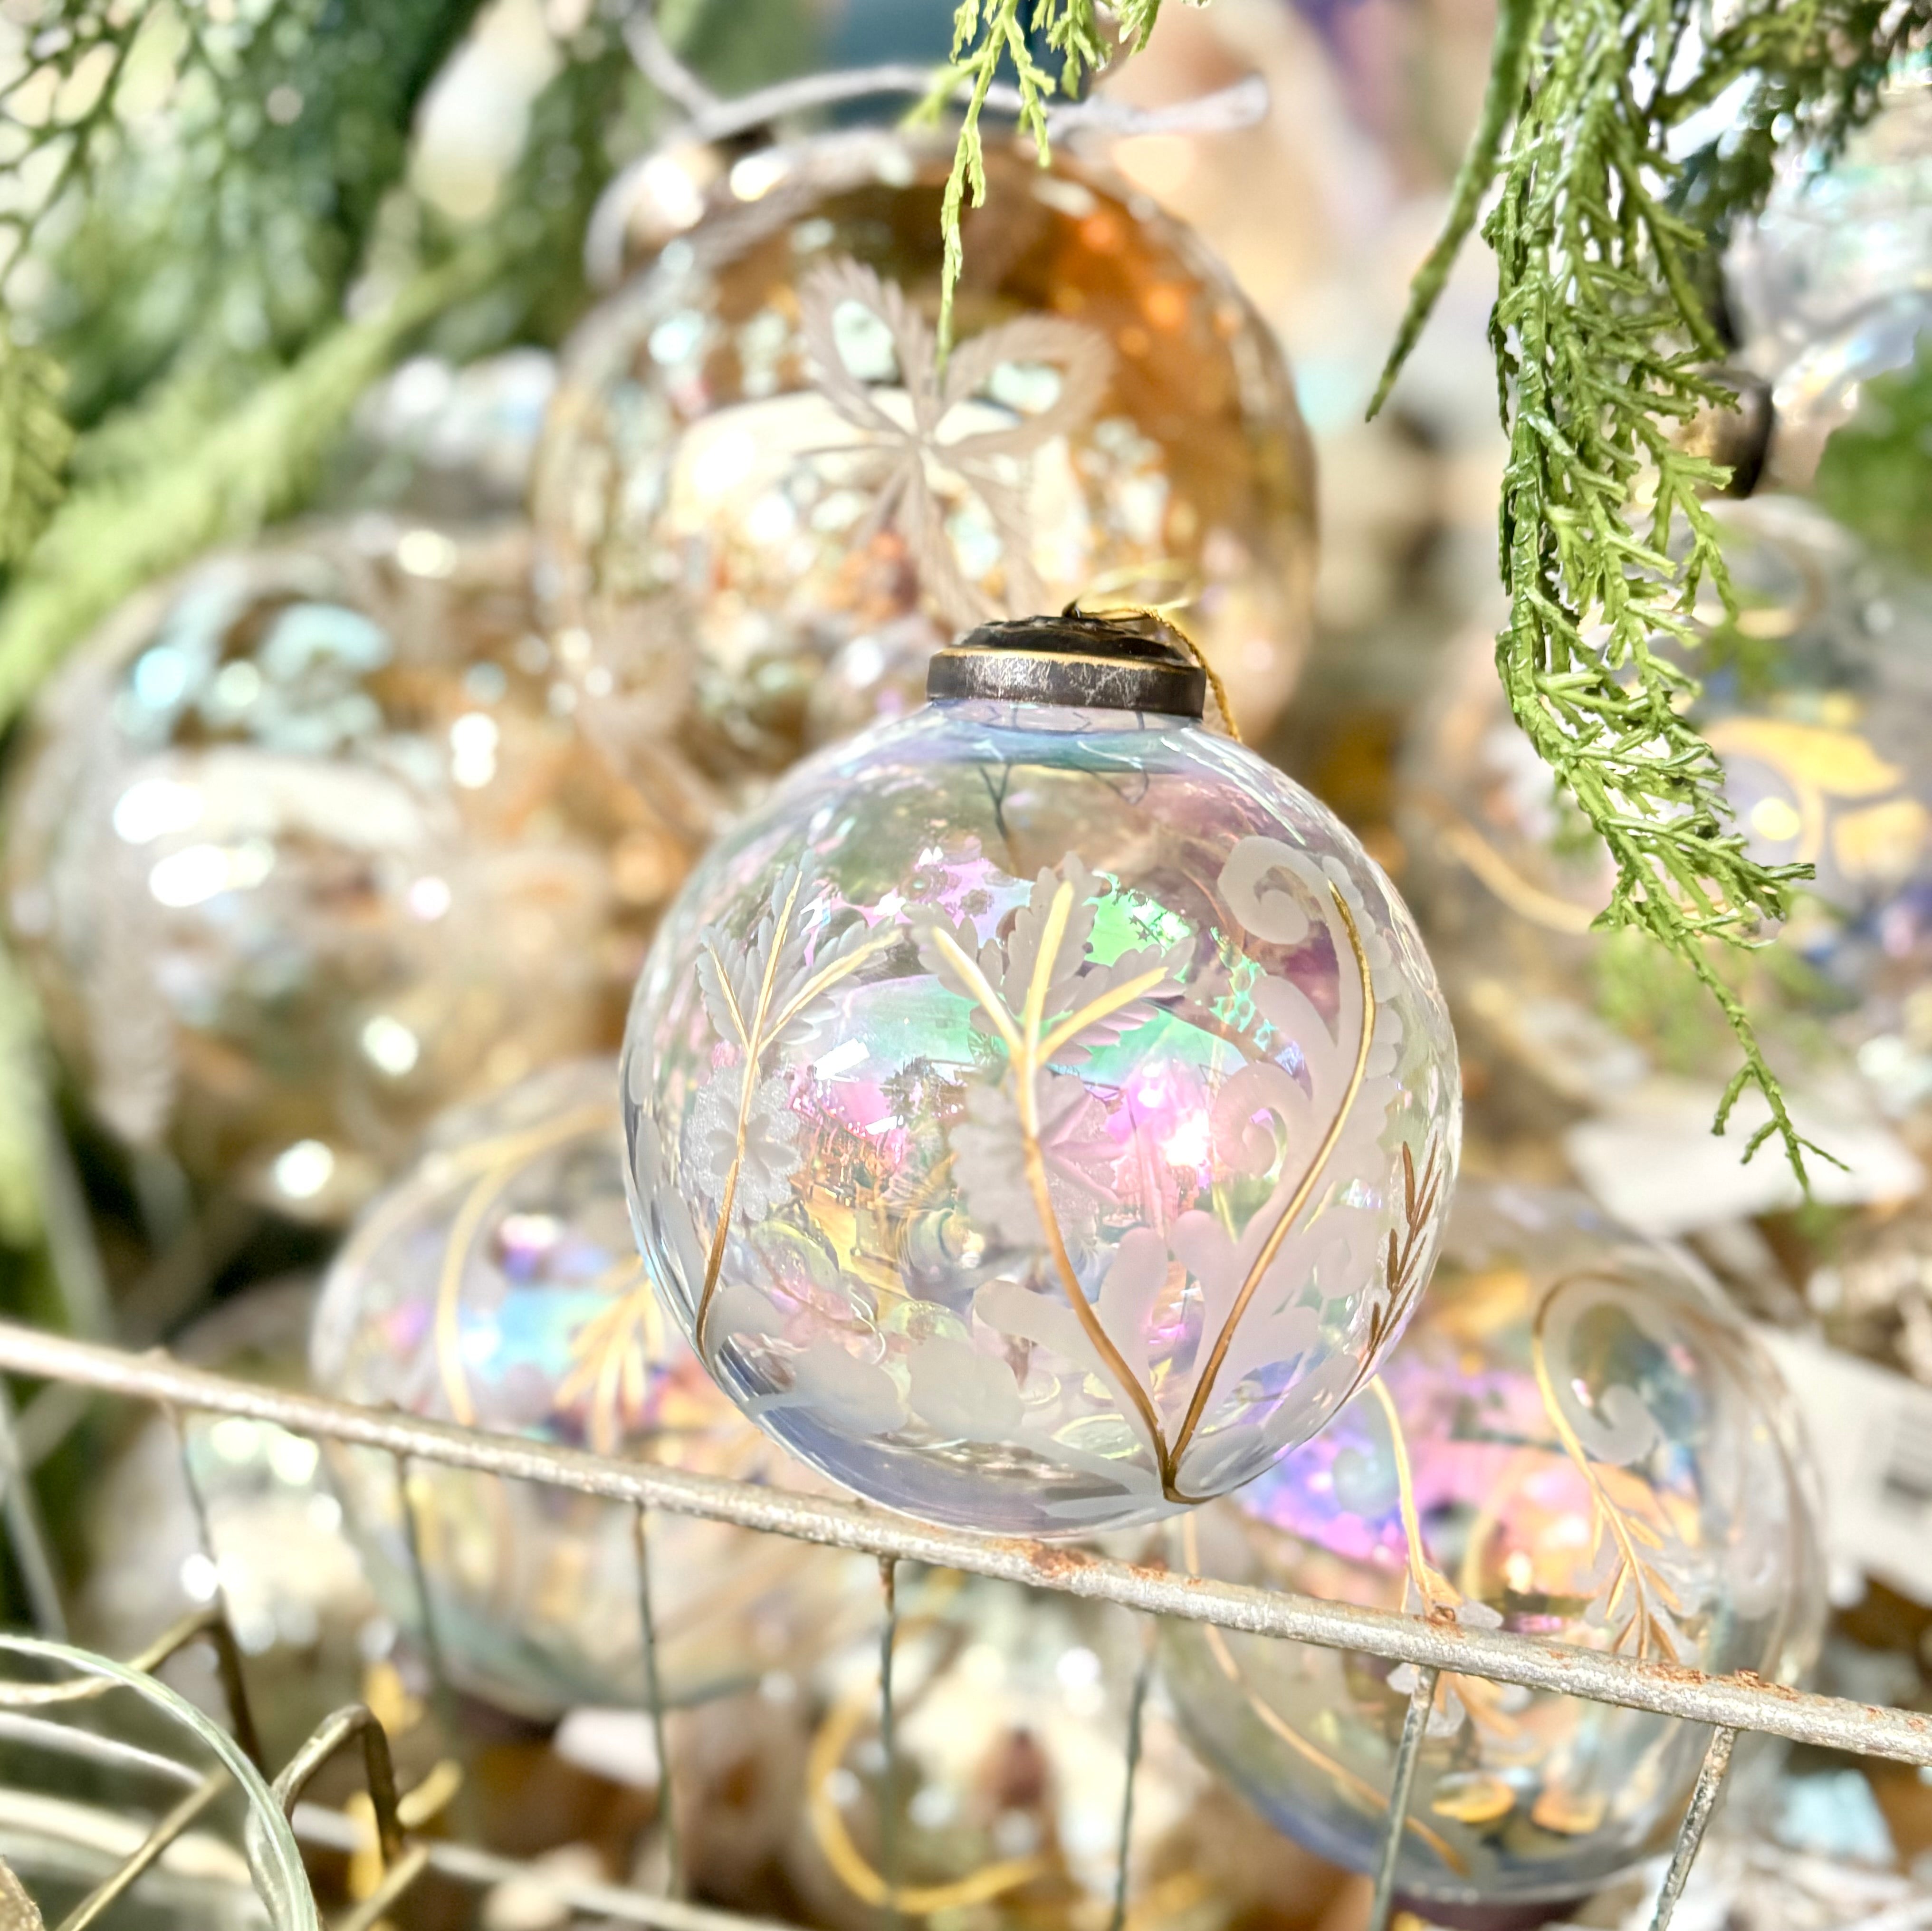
1820 702
1041 1111
496 1286
1576 1439
758 468
304 850
1832 284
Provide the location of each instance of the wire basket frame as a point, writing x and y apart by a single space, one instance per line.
1729 1704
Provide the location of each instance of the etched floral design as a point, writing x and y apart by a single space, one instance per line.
1026 1111
1649 1578
762 992
1034 1158
990 1151
752 1149
919 430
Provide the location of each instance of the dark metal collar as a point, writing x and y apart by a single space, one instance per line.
1132 661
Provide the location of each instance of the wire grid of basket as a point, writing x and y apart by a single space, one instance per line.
1727 1704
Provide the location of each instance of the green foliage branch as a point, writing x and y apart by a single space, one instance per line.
1603 239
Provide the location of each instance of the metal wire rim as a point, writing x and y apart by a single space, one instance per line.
1728 1704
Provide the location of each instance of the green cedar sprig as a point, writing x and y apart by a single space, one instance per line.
1602 339
986 35
1604 245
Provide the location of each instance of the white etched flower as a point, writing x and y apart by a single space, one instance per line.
763 1144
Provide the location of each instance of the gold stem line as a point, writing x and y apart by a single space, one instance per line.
989 1001
1608 1512
1278 1726
824 980
747 1088
1025 1068
609 1352
730 997
502 1157
1429 1583
1204 1387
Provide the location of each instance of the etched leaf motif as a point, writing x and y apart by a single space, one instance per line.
1134 1281
959 1392
762 1147
991 1154
1110 1001
1651 1578
864 1396
1021 953
921 430
657 1199
741 1147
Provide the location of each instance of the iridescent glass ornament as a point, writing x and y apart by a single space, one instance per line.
1832 284
1013 1713
496 1286
1041 1109
1576 1439
759 465
308 847
1818 700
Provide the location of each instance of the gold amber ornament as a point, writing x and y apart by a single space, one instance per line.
762 485
307 844
1576 1440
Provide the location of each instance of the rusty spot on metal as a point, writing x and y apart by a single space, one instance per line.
1048 1559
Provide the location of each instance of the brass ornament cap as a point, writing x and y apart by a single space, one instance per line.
1134 661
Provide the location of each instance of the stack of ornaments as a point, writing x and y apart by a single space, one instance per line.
1037 1114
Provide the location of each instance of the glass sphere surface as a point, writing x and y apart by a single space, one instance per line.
1832 283
1576 1439
1040 1118
496 1286
302 852
757 468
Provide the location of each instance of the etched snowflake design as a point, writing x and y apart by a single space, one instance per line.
916 434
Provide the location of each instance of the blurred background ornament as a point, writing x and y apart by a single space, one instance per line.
276 1553
497 1286
1577 1438
448 443
1041 1114
1012 1712
1818 698
757 449
1832 284
308 845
